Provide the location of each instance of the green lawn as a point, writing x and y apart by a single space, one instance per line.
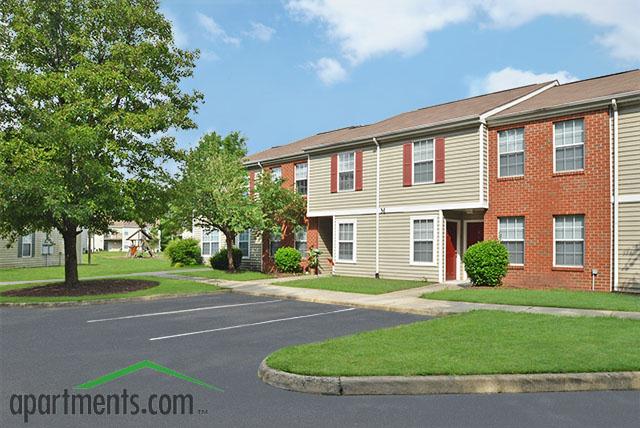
245 275
103 263
554 298
479 342
352 284
166 287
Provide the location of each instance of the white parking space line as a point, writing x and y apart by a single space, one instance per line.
206 308
251 324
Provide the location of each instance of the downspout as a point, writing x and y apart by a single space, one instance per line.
616 196
377 207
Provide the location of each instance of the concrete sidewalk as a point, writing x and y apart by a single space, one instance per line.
407 301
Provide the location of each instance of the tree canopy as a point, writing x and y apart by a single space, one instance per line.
88 91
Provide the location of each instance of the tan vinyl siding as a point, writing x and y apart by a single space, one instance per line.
9 256
629 150
462 172
365 247
395 248
325 243
322 199
485 160
629 246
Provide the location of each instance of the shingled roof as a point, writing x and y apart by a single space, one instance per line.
576 92
424 117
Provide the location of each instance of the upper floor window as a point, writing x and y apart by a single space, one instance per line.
346 171
276 173
301 178
511 234
423 161
511 152
568 143
243 243
210 242
568 240
422 238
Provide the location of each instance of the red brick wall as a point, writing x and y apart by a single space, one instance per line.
541 194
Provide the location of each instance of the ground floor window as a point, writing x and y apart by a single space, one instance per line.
422 240
243 242
568 240
275 242
346 241
511 234
25 245
47 246
210 242
301 240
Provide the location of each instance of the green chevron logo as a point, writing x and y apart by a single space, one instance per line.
145 364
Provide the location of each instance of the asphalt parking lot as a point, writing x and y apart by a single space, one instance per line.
220 340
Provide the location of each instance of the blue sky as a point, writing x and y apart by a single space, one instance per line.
279 71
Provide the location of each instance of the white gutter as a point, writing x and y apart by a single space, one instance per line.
377 207
616 196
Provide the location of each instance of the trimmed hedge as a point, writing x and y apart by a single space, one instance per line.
219 260
287 260
486 263
184 251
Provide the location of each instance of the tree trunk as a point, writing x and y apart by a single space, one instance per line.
70 258
230 266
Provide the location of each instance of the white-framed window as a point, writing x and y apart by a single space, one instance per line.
210 242
568 144
47 246
26 245
346 171
511 152
302 176
276 173
275 242
511 234
423 161
243 243
300 240
568 240
422 245
346 234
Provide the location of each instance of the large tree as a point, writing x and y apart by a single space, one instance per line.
214 189
88 91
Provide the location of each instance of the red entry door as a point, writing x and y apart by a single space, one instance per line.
452 251
475 233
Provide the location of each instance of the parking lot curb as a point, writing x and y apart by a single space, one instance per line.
469 384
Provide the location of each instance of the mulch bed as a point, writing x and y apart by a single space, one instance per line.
84 288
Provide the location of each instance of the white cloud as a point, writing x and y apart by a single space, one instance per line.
179 36
261 32
379 27
208 55
214 31
329 70
511 78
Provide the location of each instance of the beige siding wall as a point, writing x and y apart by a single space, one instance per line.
9 256
365 248
485 162
395 248
325 243
629 246
320 196
629 150
462 170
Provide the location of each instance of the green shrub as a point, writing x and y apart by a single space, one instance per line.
219 260
184 251
287 260
486 263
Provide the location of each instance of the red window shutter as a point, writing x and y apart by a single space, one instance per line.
358 170
439 158
252 181
407 164
334 173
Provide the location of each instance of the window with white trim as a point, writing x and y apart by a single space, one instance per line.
210 242
568 143
346 241
276 173
275 242
300 238
511 152
47 246
569 240
301 178
422 239
423 161
243 242
346 171
511 234
26 245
